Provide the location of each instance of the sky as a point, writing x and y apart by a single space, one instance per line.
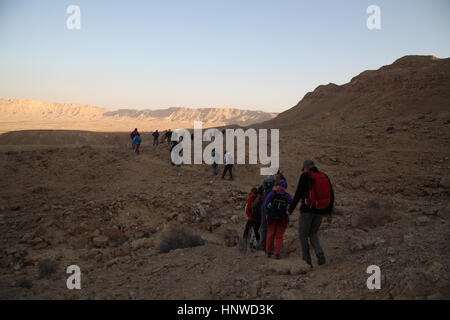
249 54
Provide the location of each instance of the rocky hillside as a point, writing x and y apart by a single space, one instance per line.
411 85
18 114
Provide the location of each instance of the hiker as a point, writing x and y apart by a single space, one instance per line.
215 155
228 158
317 197
155 137
267 186
137 142
169 136
277 203
132 135
253 211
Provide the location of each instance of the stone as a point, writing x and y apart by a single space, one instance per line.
234 218
299 268
100 241
421 221
445 183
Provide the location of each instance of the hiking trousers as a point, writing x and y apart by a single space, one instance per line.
252 224
276 232
133 145
229 168
137 148
214 167
155 141
308 227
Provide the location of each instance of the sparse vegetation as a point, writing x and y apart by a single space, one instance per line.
179 238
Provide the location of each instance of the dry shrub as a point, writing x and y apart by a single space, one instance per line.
179 238
46 268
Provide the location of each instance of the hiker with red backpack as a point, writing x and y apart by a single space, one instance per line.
253 211
316 194
277 204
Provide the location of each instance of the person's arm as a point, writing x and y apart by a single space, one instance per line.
268 199
249 205
302 190
256 202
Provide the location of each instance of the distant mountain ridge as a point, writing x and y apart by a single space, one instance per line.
34 114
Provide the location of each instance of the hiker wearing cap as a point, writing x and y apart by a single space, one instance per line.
228 158
132 135
137 142
155 137
277 203
316 194
253 211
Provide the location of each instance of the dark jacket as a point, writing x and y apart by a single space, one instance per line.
302 192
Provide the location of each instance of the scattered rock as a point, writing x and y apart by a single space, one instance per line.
100 241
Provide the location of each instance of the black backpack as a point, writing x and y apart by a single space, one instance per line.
279 206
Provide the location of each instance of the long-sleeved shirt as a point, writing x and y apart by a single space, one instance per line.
228 158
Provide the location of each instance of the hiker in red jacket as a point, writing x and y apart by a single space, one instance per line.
253 211
277 204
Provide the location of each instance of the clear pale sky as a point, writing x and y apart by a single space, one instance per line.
250 54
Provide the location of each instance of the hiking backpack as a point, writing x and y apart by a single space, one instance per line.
319 191
278 207
256 211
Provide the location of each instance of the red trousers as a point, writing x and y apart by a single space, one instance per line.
276 232
137 148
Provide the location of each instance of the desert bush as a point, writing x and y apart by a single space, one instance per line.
46 268
179 238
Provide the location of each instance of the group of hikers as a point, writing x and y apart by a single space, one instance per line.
270 205
136 139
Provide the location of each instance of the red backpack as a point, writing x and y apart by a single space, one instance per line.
319 191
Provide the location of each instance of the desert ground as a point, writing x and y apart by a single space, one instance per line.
106 209
84 198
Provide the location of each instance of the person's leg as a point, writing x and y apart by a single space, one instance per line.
247 229
279 235
270 237
263 228
304 227
133 145
214 167
231 171
314 238
137 147
256 226
225 169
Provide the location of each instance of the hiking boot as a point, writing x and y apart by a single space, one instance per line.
321 259
309 262
268 254
277 256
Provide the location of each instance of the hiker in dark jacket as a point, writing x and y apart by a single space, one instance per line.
155 137
253 214
132 135
276 227
310 215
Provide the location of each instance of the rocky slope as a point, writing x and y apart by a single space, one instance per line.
411 85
